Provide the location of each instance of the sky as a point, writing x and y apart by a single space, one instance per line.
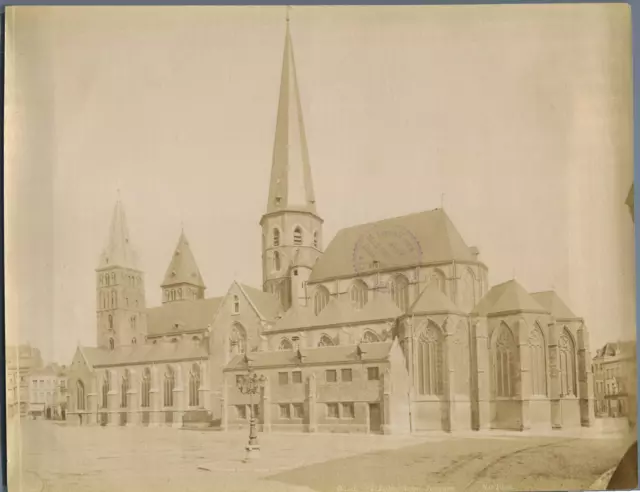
517 119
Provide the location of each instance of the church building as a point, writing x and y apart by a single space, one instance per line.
392 328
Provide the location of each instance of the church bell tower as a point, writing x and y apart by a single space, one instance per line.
291 226
120 294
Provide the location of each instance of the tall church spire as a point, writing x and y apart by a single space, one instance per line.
118 250
291 187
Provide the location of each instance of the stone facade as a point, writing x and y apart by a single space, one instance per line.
392 328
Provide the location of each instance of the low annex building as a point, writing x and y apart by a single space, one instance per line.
392 328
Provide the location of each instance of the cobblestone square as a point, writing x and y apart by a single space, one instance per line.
46 456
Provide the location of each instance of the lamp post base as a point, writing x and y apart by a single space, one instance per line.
253 452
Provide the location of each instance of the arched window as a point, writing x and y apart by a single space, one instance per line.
276 261
537 359
145 388
110 322
285 344
169 386
370 337
113 279
106 280
276 237
567 354
194 386
180 293
505 363
132 322
113 298
359 294
430 364
315 239
320 300
124 388
106 387
297 236
236 305
237 340
467 291
133 341
112 343
440 280
399 288
326 341
80 398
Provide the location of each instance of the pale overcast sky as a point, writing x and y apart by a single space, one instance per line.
520 115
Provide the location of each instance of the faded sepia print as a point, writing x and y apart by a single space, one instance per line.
319 248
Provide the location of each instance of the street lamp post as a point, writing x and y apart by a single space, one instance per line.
250 384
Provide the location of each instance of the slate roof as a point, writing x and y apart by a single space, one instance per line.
189 315
291 186
507 297
432 300
183 267
339 312
552 303
420 238
118 251
321 355
267 304
144 354
611 349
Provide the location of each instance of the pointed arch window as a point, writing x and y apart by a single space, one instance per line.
370 337
113 279
80 398
537 358
276 237
326 341
430 362
112 343
132 322
236 304
106 387
276 261
169 386
106 280
467 291
285 344
133 341
399 288
359 294
567 355
124 389
505 363
145 388
111 322
113 298
440 280
237 340
297 236
320 299
194 386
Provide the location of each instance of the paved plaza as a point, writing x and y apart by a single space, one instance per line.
51 457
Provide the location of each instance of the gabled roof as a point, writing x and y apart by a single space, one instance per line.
183 268
433 300
189 315
291 187
339 312
118 251
552 303
267 304
423 238
610 349
145 353
507 297
321 355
